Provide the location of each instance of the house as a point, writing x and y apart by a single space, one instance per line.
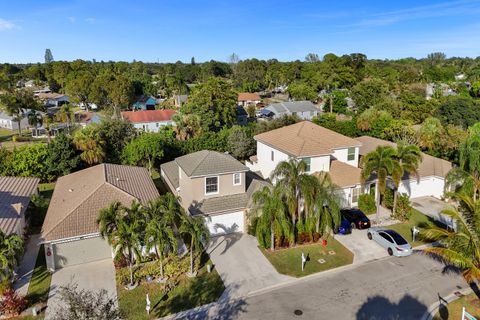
180 100
320 148
150 120
305 110
246 98
431 171
53 99
145 103
85 118
242 116
9 122
15 195
70 231
213 185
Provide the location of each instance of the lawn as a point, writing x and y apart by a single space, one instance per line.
453 310
5 134
417 219
187 294
46 189
39 287
288 261
157 180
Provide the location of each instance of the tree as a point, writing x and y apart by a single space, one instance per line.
271 213
429 133
381 163
86 305
369 93
30 160
35 119
48 56
459 248
459 111
470 150
115 134
301 91
88 141
195 229
62 158
326 209
79 86
11 250
65 115
312 57
17 103
240 143
120 93
146 150
187 125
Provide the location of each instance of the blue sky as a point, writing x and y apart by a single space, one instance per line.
168 31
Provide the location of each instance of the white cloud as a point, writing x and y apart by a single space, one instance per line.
72 19
90 20
6 25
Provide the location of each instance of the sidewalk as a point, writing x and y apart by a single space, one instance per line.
27 265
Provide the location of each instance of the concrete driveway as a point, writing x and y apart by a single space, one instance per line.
363 249
432 207
241 265
88 276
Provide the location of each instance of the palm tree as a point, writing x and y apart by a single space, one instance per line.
196 230
382 163
293 181
65 115
89 142
270 209
409 158
460 248
123 227
35 119
16 104
11 249
326 210
187 125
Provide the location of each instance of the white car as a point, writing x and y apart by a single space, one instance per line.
395 244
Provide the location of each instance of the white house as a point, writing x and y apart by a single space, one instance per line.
150 120
305 110
51 99
8 122
246 98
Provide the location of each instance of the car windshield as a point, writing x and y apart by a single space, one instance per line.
396 237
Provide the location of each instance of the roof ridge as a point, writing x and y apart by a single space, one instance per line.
201 161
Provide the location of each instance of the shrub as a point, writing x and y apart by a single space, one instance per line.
366 203
175 266
388 198
316 236
120 261
403 211
5 285
252 226
12 303
148 269
123 275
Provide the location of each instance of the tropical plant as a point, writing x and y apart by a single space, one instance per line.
195 229
34 119
16 103
187 125
12 304
89 142
326 210
380 163
11 250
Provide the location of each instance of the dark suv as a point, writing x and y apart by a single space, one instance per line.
356 218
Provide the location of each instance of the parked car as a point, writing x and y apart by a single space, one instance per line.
356 218
344 227
395 244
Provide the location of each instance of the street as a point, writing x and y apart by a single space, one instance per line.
391 288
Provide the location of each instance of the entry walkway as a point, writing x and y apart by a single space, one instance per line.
25 271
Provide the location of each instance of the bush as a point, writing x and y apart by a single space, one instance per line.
252 226
366 203
148 269
175 266
12 304
403 211
388 198
123 275
120 261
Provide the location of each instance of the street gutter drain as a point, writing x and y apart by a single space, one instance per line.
298 312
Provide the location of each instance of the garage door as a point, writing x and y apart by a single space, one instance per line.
81 251
225 223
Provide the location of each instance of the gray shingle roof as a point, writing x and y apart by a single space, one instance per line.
207 162
171 171
293 106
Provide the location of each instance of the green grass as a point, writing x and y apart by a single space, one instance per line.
453 310
417 219
46 189
189 293
40 282
157 180
288 261
5 134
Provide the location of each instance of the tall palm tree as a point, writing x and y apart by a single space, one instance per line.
293 181
460 248
66 115
89 142
11 249
270 209
187 125
381 163
326 210
409 158
35 119
196 230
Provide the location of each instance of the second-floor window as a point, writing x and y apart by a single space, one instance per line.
351 154
307 162
237 179
211 185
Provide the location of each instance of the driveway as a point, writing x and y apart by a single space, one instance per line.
88 276
241 265
432 207
363 249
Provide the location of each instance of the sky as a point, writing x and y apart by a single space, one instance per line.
168 31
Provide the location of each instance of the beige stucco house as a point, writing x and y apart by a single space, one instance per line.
214 185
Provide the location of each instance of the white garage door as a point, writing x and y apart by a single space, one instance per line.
81 251
225 223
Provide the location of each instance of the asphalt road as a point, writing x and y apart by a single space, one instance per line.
392 288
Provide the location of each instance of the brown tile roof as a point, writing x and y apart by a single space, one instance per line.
344 175
148 115
15 193
430 166
247 96
304 139
78 198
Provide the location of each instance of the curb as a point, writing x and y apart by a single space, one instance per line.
432 310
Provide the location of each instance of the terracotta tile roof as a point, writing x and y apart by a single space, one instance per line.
78 198
344 175
305 139
15 193
207 162
430 166
247 96
148 115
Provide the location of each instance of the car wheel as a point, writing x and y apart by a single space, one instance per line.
369 235
353 226
390 252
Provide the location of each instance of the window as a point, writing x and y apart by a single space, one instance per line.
385 236
272 155
351 154
307 162
211 185
355 194
237 179
158 124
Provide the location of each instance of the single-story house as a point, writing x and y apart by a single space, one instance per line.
246 98
8 122
53 99
150 120
86 118
70 231
145 103
15 195
305 110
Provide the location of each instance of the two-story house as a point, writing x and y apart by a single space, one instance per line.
214 185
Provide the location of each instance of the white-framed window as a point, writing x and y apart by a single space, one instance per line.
237 179
355 194
351 154
211 185
272 155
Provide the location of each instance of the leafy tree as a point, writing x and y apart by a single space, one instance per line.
459 111
301 91
195 229
146 150
470 150
62 158
78 87
30 160
48 56
339 101
429 132
347 127
115 134
240 143
120 93
16 104
66 115
35 119
11 250
88 140
369 93
374 122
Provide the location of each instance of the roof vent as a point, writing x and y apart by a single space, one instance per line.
70 190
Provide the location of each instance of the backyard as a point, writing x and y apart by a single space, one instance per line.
319 258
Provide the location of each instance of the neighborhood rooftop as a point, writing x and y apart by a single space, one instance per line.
148 115
305 139
207 162
247 96
293 106
79 196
